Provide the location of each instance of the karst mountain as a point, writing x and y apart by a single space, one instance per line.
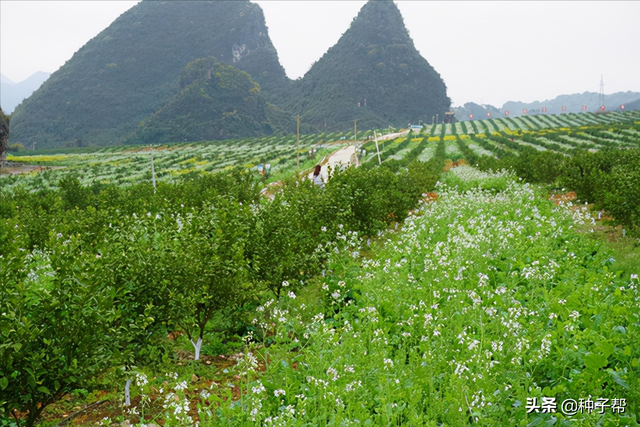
173 71
374 74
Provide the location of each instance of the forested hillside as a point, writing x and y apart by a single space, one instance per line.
374 74
131 69
216 101
123 85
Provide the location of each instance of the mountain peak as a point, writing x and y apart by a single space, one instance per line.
374 74
6 80
381 13
379 22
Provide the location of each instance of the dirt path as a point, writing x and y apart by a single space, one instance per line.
15 170
344 157
392 135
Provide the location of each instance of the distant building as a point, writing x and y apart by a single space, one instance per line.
416 128
449 117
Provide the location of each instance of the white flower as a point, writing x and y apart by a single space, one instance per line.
333 373
141 379
292 295
279 392
258 389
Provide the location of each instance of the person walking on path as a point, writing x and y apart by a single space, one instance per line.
317 176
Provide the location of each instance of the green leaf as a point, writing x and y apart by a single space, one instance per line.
4 382
605 348
595 361
536 422
617 379
43 389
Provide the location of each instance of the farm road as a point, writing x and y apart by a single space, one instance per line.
392 135
341 157
346 155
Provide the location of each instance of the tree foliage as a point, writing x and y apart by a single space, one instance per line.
95 278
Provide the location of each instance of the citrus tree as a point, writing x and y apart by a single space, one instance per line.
55 330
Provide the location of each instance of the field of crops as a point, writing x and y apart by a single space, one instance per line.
496 137
126 165
557 133
437 285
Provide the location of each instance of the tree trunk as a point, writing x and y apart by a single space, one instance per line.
197 345
127 393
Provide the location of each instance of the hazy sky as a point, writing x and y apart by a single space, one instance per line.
486 52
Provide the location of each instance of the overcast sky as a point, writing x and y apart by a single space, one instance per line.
486 52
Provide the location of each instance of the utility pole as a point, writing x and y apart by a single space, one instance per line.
153 175
601 94
297 141
375 134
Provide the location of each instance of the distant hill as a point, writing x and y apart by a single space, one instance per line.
216 101
130 70
473 111
12 94
573 104
374 74
5 79
635 105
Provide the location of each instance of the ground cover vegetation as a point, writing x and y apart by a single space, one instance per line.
383 299
484 300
